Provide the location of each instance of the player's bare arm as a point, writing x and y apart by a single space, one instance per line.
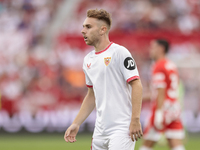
87 107
135 126
159 112
160 97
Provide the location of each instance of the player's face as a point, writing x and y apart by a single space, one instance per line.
91 30
154 50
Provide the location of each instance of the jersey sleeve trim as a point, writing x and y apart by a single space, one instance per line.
89 86
132 78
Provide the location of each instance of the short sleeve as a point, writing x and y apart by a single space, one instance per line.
127 65
159 78
87 79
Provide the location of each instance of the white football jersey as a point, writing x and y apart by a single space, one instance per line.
109 72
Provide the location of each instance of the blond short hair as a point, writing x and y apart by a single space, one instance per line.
101 15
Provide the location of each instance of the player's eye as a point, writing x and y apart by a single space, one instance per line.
88 27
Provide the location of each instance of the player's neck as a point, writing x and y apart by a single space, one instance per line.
160 58
101 45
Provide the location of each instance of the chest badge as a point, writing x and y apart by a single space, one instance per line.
107 60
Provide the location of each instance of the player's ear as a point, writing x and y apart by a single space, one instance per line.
161 50
103 30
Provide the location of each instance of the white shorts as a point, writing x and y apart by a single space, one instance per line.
113 143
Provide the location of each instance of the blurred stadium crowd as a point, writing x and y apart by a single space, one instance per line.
35 77
140 15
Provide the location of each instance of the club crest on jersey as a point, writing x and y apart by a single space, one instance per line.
107 60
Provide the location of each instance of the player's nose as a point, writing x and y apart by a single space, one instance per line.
83 31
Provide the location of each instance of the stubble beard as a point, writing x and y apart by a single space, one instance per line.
89 42
93 42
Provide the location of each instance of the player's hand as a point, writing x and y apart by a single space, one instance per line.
159 118
135 129
71 132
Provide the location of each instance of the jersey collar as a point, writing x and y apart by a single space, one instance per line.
104 49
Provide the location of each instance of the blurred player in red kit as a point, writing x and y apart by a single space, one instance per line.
114 89
166 109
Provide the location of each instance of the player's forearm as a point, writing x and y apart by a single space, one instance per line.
136 99
87 107
160 98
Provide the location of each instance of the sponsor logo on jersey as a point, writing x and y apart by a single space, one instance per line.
107 60
88 66
129 63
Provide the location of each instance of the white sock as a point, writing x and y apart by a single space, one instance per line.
145 148
180 147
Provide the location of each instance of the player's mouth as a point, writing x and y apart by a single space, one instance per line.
85 38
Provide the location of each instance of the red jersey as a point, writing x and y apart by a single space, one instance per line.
165 75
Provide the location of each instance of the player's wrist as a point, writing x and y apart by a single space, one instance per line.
135 119
76 124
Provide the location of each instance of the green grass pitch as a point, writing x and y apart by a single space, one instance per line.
52 141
